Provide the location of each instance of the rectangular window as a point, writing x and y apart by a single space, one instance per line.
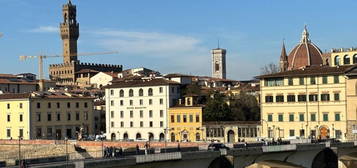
269 99
161 101
337 117
338 134
141 114
150 113
38 116
69 116
38 105
184 118
161 113
270 117
280 117
313 97
49 105
58 105
112 114
291 117
291 132
131 102
131 114
8 132
131 124
313 117
191 118
141 124
325 117
301 98
336 79
8 118
20 105
121 102
274 82
150 101
301 81
161 124
301 117
112 124
150 124
160 89
69 104
313 80
49 117
197 118
77 116
141 102
172 118
122 124
291 98
85 105
324 80
77 105
58 116
325 97
337 96
290 81
302 132
279 98
178 118
121 114
21 132
112 92
21 117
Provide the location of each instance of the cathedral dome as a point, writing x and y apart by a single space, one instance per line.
304 54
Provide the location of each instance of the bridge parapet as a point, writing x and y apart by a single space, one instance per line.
307 147
245 151
158 157
279 148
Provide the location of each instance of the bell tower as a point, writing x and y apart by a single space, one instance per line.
218 63
69 32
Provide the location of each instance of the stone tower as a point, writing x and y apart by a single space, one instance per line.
283 59
69 32
219 63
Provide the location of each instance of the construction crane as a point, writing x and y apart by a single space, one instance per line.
41 57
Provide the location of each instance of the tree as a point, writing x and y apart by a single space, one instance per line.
245 107
217 109
269 69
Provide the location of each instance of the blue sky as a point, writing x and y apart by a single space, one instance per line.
175 35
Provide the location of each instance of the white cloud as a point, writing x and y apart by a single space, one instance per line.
147 42
45 29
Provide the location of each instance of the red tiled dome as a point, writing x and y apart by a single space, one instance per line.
304 54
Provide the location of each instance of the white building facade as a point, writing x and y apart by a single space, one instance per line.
137 109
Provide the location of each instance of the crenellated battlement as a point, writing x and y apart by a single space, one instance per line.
100 65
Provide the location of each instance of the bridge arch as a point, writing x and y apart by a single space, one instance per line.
221 162
325 159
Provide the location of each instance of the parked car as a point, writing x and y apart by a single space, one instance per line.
217 146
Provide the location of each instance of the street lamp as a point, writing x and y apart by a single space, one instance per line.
66 140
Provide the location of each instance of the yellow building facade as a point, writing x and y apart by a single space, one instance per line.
185 122
343 57
45 116
314 102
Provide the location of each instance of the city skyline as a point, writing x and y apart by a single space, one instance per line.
174 37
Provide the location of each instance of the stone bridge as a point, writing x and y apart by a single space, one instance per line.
324 155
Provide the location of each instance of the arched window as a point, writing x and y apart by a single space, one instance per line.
198 137
150 92
138 136
131 93
113 137
121 93
151 136
172 137
141 92
125 136
162 137
355 59
337 60
346 60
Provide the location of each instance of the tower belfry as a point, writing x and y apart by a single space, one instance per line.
219 63
69 32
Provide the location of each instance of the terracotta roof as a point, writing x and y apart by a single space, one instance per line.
113 74
140 82
51 95
173 75
310 71
87 71
7 76
17 81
